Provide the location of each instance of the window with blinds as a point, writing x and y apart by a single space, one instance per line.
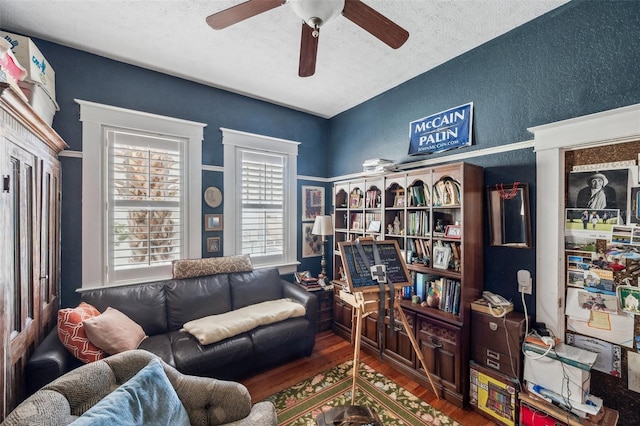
263 204
145 207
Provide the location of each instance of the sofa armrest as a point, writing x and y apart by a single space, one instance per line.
308 300
49 361
219 402
262 414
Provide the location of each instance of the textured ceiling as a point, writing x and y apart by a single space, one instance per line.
259 57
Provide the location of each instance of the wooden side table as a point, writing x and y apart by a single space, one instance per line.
325 308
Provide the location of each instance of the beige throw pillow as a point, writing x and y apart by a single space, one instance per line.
114 332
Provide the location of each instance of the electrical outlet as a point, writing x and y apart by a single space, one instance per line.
525 284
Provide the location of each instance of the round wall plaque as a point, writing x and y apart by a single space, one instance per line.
213 196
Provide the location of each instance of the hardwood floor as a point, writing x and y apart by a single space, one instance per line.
331 350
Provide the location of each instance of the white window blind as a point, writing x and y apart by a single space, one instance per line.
263 208
260 206
145 208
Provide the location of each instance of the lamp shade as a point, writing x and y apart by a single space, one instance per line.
322 226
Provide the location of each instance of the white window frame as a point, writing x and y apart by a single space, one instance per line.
95 118
233 143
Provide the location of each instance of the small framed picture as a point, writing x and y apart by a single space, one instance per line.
312 202
441 257
213 222
213 244
453 231
374 226
355 200
628 299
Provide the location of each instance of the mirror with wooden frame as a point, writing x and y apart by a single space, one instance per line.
509 217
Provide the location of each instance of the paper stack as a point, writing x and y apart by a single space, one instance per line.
378 165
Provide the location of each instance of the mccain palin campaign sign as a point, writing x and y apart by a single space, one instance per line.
442 131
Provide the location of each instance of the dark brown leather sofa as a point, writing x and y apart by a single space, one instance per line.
162 308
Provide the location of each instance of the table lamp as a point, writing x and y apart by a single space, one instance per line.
323 227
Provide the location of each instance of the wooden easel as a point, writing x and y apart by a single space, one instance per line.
365 303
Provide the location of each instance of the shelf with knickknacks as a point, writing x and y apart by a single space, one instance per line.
422 209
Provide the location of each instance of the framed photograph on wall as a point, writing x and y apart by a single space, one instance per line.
312 202
213 222
213 245
311 244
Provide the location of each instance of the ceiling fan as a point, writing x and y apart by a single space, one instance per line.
315 13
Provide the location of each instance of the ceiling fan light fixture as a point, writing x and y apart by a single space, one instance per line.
315 13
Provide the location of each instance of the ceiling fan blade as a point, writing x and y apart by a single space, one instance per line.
240 12
308 51
376 24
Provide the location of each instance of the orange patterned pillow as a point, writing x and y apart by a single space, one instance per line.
72 334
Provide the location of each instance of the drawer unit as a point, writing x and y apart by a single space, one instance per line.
497 342
325 309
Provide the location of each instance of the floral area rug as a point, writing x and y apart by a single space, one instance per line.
300 404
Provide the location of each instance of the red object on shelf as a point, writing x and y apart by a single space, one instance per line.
531 417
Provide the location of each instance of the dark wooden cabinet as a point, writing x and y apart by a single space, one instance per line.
496 342
325 309
397 344
30 243
441 345
404 207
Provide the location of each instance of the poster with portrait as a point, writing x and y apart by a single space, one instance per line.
312 202
599 190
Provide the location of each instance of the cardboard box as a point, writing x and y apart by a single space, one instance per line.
550 374
38 69
39 100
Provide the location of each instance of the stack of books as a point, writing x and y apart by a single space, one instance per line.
305 279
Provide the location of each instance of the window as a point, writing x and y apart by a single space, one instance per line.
260 220
141 194
144 205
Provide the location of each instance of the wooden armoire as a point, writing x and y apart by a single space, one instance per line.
29 238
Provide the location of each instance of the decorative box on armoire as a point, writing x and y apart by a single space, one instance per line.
496 342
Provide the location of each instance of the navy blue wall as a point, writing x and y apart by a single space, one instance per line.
579 59
80 75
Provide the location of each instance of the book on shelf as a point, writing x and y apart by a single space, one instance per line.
448 292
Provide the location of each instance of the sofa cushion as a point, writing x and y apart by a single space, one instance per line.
249 288
160 345
113 331
146 398
194 298
189 268
214 328
143 303
72 333
228 359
